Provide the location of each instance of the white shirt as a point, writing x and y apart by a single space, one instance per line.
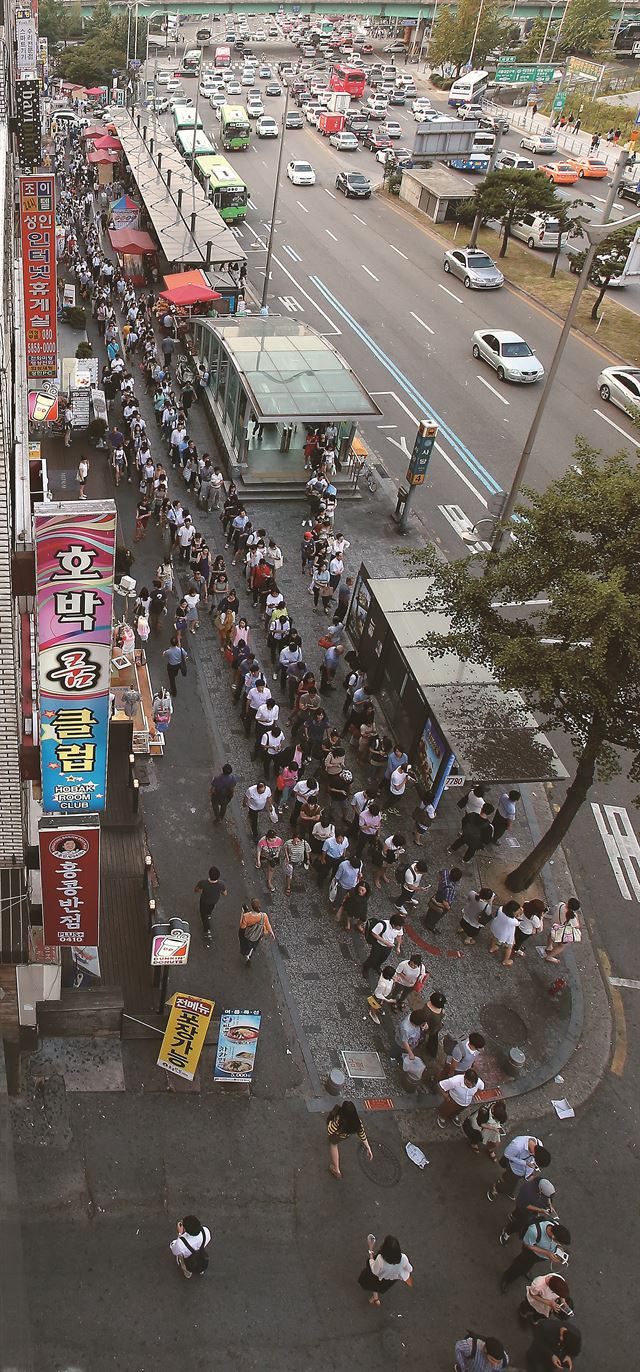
359 801
383 988
411 879
274 743
406 975
456 1089
368 823
391 1271
257 696
384 932
257 800
474 804
186 535
474 906
267 714
196 1241
503 927
398 782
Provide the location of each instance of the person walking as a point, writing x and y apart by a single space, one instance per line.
176 661
503 930
544 1241
406 978
296 854
476 912
564 931
189 1248
268 853
484 1128
81 476
504 814
480 1354
343 1122
410 879
524 1157
384 1268
476 832
254 925
441 901
554 1346
221 791
459 1091
211 889
256 799
534 1200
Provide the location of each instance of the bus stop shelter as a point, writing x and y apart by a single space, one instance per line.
451 716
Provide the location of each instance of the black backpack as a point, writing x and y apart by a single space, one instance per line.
197 1261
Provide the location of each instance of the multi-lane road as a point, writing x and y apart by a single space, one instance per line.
365 275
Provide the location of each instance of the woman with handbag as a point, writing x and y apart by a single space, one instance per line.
477 911
268 854
382 1269
162 710
564 931
254 924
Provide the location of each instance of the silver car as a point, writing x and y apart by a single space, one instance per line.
508 354
621 385
539 142
475 269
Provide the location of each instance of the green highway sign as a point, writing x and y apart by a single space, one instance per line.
522 75
560 100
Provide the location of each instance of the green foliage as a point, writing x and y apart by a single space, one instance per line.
609 261
531 49
575 658
452 37
84 349
586 26
92 64
507 195
59 22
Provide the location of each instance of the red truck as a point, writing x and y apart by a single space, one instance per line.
330 123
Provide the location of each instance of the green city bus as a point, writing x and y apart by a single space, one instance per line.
235 129
185 117
223 186
184 141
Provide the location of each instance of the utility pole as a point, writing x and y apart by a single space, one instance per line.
195 133
595 233
473 238
475 36
274 207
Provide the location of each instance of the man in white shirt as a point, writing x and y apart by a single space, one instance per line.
522 1158
458 1092
406 977
410 885
186 535
272 743
385 935
256 799
399 780
192 1237
266 715
256 696
217 483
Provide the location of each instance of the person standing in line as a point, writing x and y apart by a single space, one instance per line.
476 912
524 1157
343 1122
423 818
381 996
459 1091
390 1264
564 931
410 883
534 1201
82 475
476 832
503 930
484 1128
354 906
530 921
221 791
189 1247
384 935
406 977
505 813
441 901
176 660
256 799
254 925
329 667
210 889
476 1354
554 1346
369 822
334 848
544 1241
472 803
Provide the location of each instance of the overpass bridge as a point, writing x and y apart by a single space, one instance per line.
378 9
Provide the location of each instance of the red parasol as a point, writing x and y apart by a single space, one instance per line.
189 295
107 141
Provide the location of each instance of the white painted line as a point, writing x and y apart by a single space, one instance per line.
464 527
331 235
624 981
621 845
302 207
263 161
386 426
286 247
327 192
421 321
366 269
492 389
252 204
616 206
360 221
400 254
439 448
448 292
628 437
333 331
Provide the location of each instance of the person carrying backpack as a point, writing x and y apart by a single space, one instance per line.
189 1249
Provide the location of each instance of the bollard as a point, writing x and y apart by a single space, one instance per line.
136 797
146 875
515 1062
335 1082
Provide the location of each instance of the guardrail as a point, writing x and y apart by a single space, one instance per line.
576 145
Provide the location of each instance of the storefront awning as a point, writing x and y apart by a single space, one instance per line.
189 295
131 241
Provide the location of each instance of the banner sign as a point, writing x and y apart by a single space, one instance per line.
75 557
170 949
185 1034
26 40
38 231
237 1044
70 873
28 124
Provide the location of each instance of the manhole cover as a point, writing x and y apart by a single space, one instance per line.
500 1022
384 1168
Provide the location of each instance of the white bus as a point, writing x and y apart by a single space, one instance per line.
468 89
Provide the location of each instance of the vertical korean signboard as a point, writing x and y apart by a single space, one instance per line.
185 1034
70 870
38 232
26 39
75 557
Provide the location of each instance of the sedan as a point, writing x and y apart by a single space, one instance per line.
392 128
397 97
366 49
590 167
538 142
375 141
621 385
475 268
508 354
267 127
301 173
294 120
560 173
272 88
265 73
255 109
344 142
234 88
217 101
422 102
247 78
353 184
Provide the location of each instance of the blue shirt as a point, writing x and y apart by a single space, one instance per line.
333 849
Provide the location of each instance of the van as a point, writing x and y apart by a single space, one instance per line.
389 74
537 230
483 140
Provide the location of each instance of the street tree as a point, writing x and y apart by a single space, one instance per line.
574 657
92 63
532 48
570 225
586 26
453 36
609 262
508 195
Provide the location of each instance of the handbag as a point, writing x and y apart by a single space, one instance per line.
325 641
333 890
183 664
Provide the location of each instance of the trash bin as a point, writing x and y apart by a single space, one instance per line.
403 496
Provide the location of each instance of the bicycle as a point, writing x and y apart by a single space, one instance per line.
363 468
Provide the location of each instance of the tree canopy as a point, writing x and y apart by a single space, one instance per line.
609 262
575 658
105 50
586 27
507 195
452 38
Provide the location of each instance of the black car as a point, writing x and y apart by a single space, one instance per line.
376 140
353 185
294 120
272 88
362 132
630 190
203 35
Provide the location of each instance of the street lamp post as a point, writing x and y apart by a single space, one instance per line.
475 36
595 233
274 207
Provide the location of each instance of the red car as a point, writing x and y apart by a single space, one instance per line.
366 49
375 141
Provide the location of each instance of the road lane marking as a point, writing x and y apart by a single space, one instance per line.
621 846
628 437
327 192
624 981
460 448
331 235
491 388
290 303
286 247
333 331
252 204
438 447
302 207
465 528
453 297
400 254
360 221
386 426
366 269
421 321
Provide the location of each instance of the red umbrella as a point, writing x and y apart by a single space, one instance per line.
189 295
96 90
107 141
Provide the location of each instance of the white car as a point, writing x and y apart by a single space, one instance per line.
161 104
163 77
233 88
392 128
267 127
344 142
509 355
621 385
260 36
301 173
539 142
217 101
247 77
470 111
207 85
421 100
255 109
312 115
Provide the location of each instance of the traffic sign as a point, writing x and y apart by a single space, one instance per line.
170 949
560 100
421 455
522 75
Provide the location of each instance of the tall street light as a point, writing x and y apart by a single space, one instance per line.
475 36
596 233
274 207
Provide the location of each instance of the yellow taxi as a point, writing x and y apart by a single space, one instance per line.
589 166
561 173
